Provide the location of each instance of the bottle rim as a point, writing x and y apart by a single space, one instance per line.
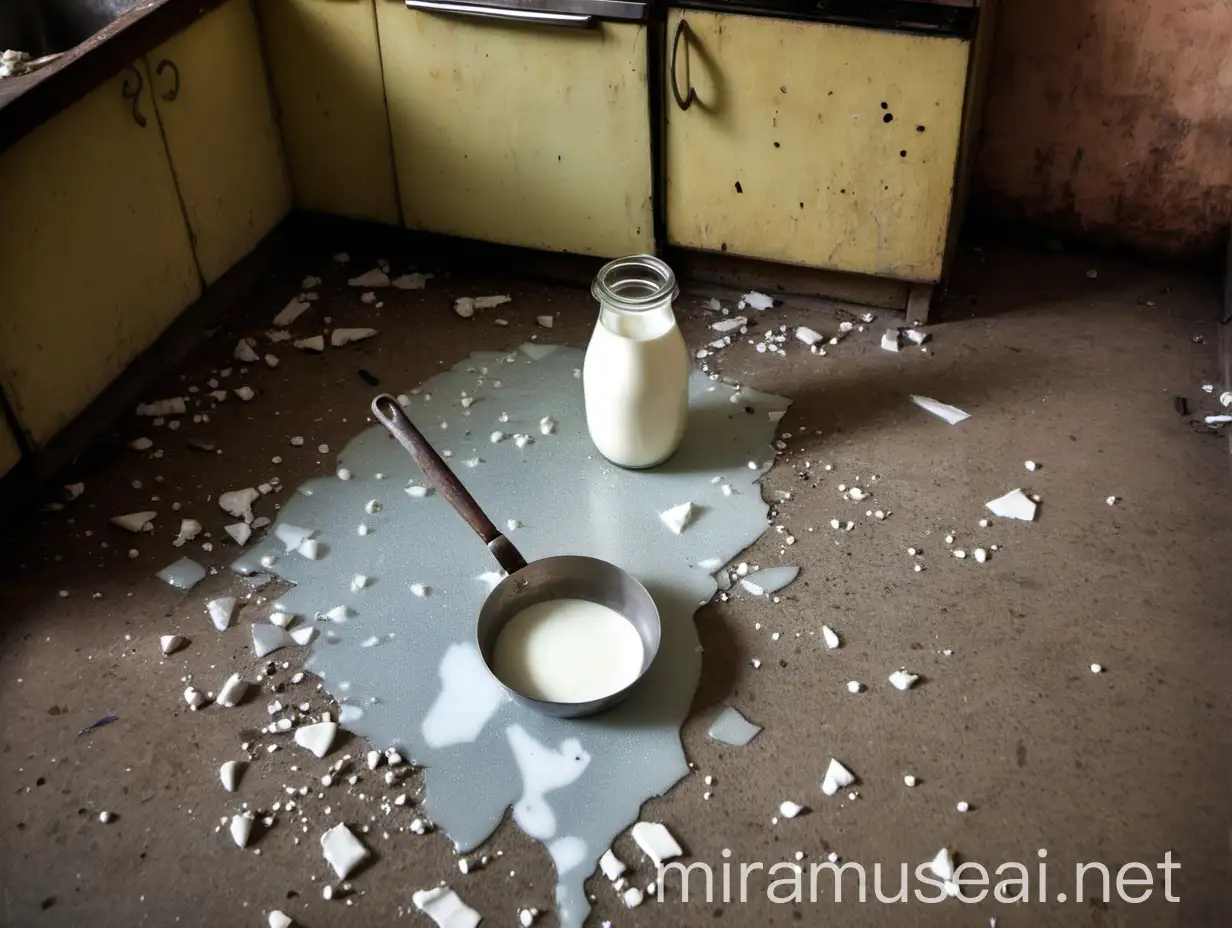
635 283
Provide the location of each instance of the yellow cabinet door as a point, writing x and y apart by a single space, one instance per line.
537 137
326 66
813 144
95 260
10 452
214 104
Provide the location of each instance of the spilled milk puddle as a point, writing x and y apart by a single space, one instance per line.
400 655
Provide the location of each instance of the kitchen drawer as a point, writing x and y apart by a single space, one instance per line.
532 136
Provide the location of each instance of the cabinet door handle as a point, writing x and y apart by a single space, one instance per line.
542 17
135 93
175 73
684 102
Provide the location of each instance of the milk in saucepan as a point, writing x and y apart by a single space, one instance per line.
636 372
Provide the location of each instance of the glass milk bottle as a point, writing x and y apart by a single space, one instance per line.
636 374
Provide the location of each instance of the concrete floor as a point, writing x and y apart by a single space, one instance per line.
1076 373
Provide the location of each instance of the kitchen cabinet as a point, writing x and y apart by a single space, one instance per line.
326 68
812 143
95 258
533 136
213 101
10 452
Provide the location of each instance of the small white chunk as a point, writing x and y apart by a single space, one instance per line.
547 425
1097 668
373 278
963 806
546 321
464 306
854 686
312 343
244 351
809 336
522 440
189 529
241 828
105 817
611 865
497 436
1013 505
980 555
1111 500
229 773
170 643
358 582
238 503
343 851
374 759
943 865
632 897
902 680
134 521
279 920
310 548
830 638
678 517
418 589
240 532
246 394
281 619
268 638
318 739
1030 465
960 553
304 635
889 340
232 691
656 841
221 611
194 697
414 491
755 300
789 809
442 905
837 777
857 494
909 780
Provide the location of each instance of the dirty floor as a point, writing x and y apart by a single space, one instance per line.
1077 373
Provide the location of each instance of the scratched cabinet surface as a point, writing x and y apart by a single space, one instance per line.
537 137
95 259
10 453
326 67
213 101
813 144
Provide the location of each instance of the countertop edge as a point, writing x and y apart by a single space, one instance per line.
91 64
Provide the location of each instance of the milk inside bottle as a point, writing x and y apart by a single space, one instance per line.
636 373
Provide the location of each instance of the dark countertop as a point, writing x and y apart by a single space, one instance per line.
30 100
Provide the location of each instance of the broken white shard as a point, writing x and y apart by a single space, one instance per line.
491 302
909 780
789 809
526 917
418 589
170 643
189 529
184 574
318 739
951 414
238 503
980 555
854 686
239 531
960 553
522 440
830 638
1013 505
678 518
303 635
464 306
241 828
755 300
656 841
340 337
289 313
889 340
731 727
374 759
414 491
916 336
632 897
135 521
837 777
338 614
279 920
141 444
268 638
496 437
312 343
411 281
232 692
244 351
343 851
245 393
220 611
943 865
902 680
373 278
513 525
1030 465
310 548
358 582
1111 500
546 321
730 324
229 773
547 425
753 587
194 697
442 905
611 865
809 336
291 535
172 406
372 506
857 494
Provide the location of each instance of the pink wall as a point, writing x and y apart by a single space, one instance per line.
1111 119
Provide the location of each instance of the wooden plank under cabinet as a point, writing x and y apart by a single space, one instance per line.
95 260
814 144
221 134
326 67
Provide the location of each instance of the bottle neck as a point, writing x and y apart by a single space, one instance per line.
635 297
645 322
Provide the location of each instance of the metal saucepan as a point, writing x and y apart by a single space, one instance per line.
562 577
